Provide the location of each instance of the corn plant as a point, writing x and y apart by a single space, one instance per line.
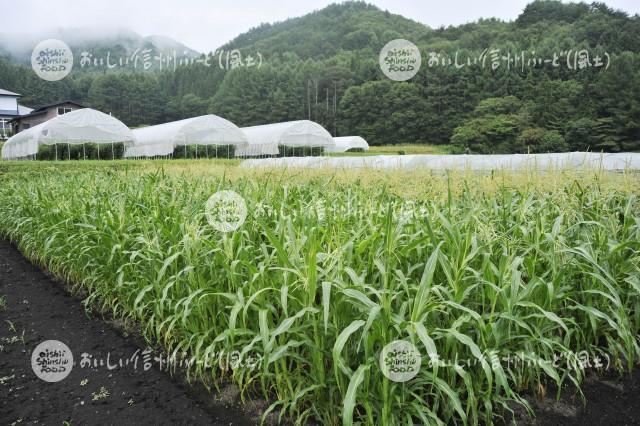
322 276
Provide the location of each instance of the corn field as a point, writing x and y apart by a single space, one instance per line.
321 277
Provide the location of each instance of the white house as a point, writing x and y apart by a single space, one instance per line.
10 109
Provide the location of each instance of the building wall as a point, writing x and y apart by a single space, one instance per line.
29 122
9 103
52 112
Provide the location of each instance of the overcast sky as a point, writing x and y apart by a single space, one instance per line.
207 24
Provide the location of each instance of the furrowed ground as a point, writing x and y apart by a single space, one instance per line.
476 270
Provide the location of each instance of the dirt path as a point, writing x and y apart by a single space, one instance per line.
39 309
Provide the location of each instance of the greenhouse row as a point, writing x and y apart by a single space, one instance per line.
210 134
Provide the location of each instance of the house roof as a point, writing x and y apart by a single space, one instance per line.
8 93
43 109
13 114
23 110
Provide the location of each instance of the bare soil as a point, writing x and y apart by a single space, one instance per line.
38 309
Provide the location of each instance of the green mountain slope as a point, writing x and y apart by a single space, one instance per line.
324 66
348 26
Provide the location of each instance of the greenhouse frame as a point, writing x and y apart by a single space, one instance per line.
266 139
346 143
78 127
162 139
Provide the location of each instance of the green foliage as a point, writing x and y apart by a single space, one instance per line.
532 138
134 96
580 134
190 106
493 129
248 95
493 106
322 276
204 151
385 112
546 10
87 151
538 140
552 141
325 33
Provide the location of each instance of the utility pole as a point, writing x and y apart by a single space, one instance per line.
327 99
335 104
308 100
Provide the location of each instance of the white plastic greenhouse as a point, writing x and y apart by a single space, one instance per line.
265 140
573 160
206 130
74 128
345 143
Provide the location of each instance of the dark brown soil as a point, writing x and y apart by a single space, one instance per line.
39 309
610 400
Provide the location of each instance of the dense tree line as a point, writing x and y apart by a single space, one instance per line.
324 67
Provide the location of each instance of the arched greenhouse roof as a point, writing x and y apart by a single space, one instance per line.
345 143
162 139
84 125
265 139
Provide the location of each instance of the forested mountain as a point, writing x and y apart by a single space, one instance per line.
324 66
325 33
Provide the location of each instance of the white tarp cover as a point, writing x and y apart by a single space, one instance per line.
264 140
345 143
617 161
84 125
203 130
